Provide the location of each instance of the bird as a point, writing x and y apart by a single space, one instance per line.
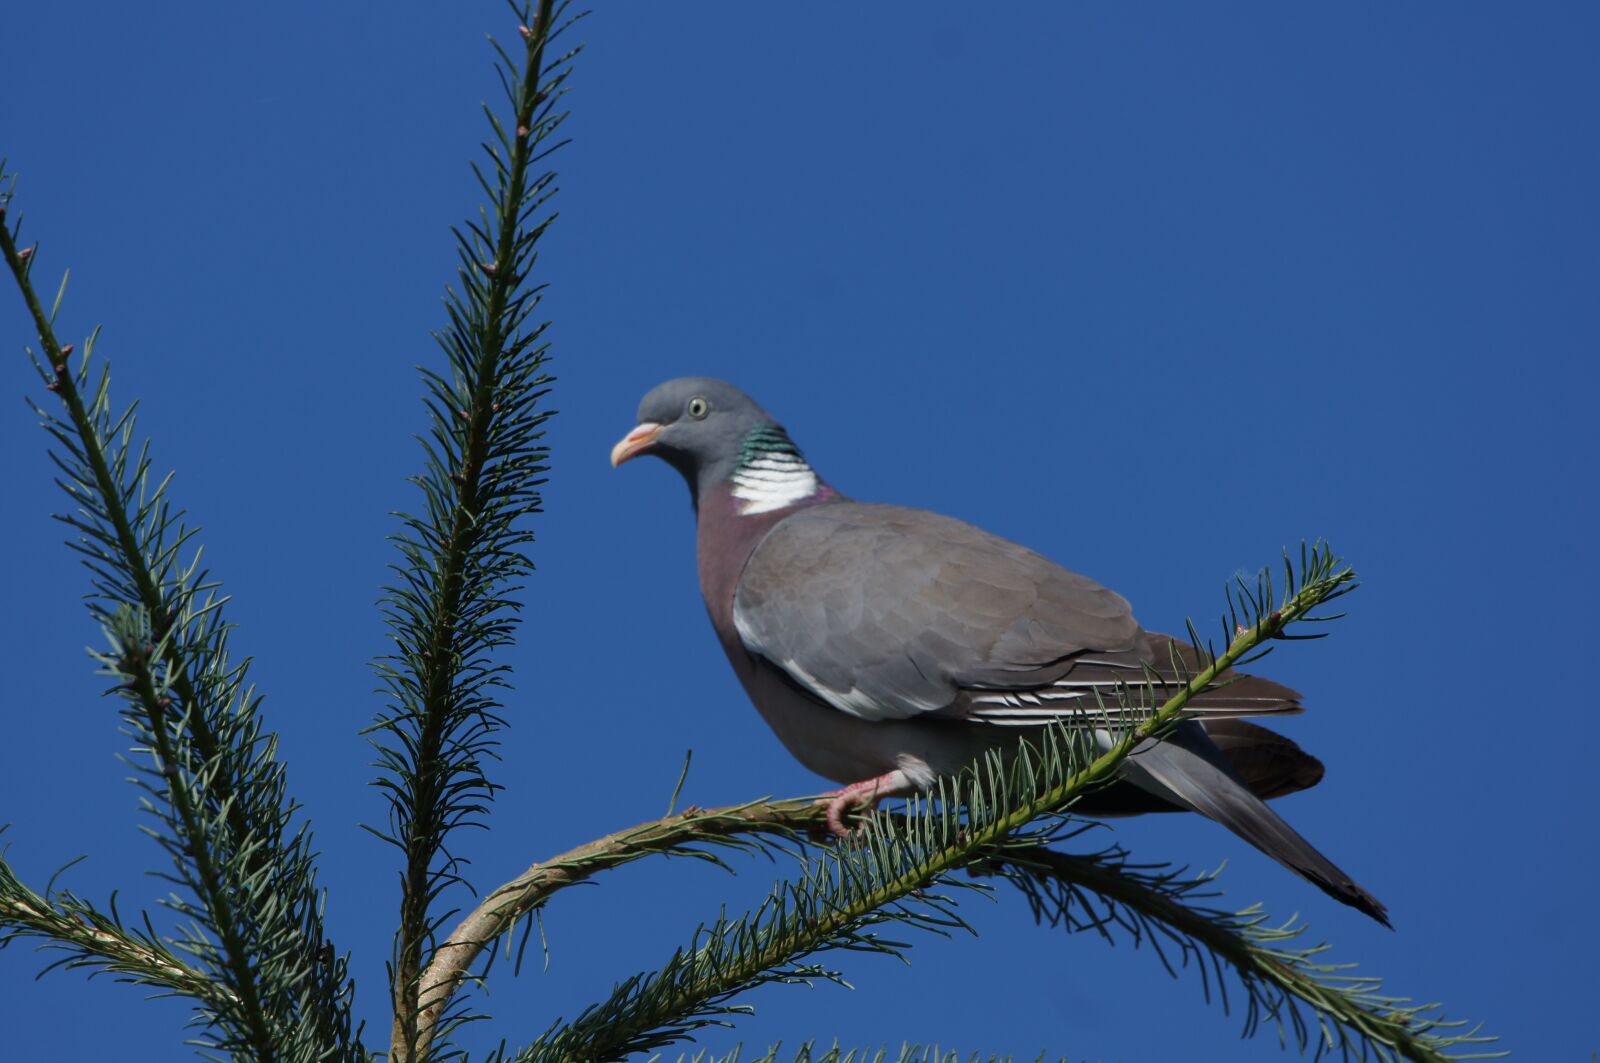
887 646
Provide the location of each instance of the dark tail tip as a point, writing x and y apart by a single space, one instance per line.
1181 765
1295 853
1361 901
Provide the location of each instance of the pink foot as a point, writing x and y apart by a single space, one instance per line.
863 795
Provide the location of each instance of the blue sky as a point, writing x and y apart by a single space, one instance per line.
1155 289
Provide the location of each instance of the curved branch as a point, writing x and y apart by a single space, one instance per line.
1346 1011
500 910
655 1009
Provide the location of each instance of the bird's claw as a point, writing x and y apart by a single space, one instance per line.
862 796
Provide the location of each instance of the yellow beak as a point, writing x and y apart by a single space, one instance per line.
635 443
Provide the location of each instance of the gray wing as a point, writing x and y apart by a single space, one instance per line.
889 613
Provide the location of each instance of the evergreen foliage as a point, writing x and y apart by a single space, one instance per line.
243 937
462 553
248 910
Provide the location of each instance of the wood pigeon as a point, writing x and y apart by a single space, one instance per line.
887 646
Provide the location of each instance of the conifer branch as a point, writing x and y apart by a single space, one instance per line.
1281 982
898 871
463 554
99 941
121 533
688 833
180 788
501 910
216 787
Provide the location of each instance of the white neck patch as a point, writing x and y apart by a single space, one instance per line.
772 480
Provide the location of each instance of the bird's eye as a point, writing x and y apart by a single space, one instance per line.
698 408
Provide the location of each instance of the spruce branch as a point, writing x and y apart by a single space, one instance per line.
462 555
500 912
694 833
176 784
99 941
215 786
1316 1006
118 533
898 871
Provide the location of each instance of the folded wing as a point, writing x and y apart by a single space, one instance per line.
891 613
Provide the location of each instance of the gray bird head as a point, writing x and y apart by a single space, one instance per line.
706 429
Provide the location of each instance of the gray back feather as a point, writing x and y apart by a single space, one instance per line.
887 613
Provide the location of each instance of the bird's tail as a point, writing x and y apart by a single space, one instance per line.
1188 769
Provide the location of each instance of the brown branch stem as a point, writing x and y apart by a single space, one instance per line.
500 910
